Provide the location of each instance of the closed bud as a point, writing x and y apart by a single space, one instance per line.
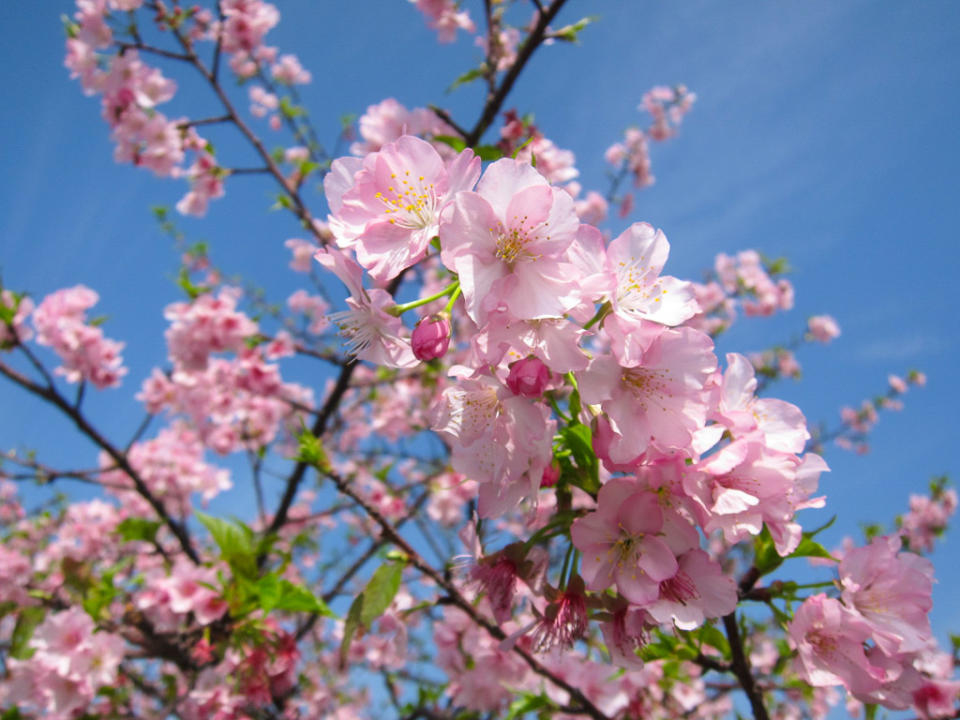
528 377
551 473
431 337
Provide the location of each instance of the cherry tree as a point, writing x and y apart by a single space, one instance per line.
524 485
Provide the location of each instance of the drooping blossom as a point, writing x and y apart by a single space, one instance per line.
369 331
746 485
829 639
781 424
892 591
499 439
700 589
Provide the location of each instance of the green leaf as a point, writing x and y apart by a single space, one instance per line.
571 33
282 201
488 153
811 548
370 604
526 704
766 558
379 592
296 598
289 110
350 627
711 635
269 591
27 622
235 541
192 291
456 143
579 440
311 451
468 77
135 528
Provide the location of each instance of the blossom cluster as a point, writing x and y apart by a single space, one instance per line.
652 395
875 640
60 322
550 393
69 664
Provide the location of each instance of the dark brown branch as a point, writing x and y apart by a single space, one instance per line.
299 208
124 46
445 116
741 668
495 102
215 67
318 429
205 121
414 558
52 396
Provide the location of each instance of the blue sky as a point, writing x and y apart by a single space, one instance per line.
823 131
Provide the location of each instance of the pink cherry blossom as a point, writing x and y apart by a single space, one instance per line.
208 324
829 639
891 590
389 120
622 545
507 242
389 211
659 400
823 328
60 321
699 590
781 424
370 332
498 439
636 259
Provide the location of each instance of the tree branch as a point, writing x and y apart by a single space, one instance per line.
52 396
461 602
741 668
494 103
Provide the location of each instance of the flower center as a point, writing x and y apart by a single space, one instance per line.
409 203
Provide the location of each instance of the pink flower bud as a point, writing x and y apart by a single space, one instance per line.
528 377
431 337
551 473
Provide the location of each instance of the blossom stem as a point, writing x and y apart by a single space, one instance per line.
398 310
601 314
566 565
453 298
